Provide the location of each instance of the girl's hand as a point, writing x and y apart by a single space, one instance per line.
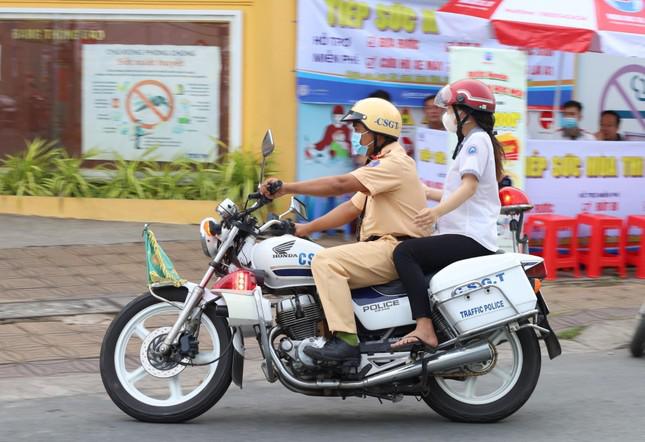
427 217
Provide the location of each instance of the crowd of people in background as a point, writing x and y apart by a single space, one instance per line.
570 124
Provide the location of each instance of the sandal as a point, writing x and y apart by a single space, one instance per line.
413 345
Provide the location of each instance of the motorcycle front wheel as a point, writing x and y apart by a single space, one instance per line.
499 391
638 341
154 390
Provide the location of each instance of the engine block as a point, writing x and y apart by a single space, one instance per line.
298 316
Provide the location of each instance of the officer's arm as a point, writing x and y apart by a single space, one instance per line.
326 186
341 215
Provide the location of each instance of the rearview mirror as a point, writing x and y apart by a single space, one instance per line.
267 144
297 207
267 149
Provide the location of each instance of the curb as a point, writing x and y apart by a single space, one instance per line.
15 311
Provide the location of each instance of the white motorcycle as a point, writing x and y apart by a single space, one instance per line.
172 353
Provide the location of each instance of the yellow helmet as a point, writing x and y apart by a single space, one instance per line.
378 115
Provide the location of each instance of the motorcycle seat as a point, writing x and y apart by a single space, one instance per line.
396 288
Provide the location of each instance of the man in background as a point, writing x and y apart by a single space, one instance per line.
432 113
380 93
570 117
609 124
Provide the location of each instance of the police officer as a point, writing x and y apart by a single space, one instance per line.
388 196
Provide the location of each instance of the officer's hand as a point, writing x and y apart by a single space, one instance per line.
264 189
302 230
426 217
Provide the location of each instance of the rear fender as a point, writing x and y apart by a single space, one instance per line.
550 339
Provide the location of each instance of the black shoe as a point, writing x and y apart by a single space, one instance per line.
335 350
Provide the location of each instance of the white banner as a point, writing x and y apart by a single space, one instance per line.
346 50
431 155
504 71
141 96
612 83
570 177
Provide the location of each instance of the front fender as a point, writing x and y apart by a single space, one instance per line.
237 369
237 340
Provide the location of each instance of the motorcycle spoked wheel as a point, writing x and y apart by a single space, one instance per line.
638 341
150 390
498 393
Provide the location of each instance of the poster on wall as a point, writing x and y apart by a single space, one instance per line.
324 149
613 83
136 97
324 142
431 155
570 177
503 70
346 50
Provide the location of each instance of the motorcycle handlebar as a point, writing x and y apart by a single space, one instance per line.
281 227
272 187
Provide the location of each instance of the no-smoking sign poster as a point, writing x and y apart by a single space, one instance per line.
140 96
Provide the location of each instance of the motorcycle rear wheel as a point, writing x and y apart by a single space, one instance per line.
458 399
142 388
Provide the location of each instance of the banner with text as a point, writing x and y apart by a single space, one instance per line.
348 49
140 96
503 71
431 154
570 177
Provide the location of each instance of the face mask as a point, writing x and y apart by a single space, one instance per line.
449 122
357 147
568 122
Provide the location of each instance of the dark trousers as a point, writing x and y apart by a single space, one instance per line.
414 258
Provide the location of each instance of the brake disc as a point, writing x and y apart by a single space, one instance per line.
155 364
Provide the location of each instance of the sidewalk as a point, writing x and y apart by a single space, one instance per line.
61 281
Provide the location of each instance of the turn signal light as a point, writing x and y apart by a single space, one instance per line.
537 285
238 280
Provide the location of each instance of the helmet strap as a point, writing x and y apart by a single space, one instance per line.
460 132
377 147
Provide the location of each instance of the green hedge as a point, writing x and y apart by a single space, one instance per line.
46 169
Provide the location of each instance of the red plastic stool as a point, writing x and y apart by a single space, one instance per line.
597 256
637 257
552 225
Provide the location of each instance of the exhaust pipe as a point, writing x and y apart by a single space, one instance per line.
450 360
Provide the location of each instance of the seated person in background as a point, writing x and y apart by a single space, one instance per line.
570 117
432 113
609 124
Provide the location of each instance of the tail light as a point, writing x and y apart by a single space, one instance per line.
238 280
535 269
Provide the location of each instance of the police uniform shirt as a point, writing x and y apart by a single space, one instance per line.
396 195
477 216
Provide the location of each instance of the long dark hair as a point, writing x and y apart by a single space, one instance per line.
486 121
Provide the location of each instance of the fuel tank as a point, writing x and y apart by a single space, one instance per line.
285 260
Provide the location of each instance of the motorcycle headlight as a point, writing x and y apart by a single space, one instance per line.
227 208
209 232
